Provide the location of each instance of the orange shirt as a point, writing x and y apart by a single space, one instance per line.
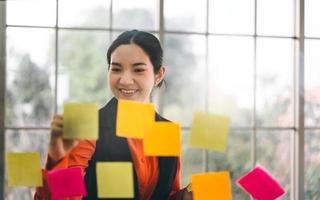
146 168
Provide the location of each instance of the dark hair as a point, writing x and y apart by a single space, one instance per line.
146 41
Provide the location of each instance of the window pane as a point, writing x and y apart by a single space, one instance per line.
93 13
25 141
192 159
115 34
28 141
82 67
30 66
275 82
312 83
273 153
312 165
31 12
231 16
231 78
185 77
275 17
138 15
192 17
312 16
236 160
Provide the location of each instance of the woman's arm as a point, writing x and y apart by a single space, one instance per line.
78 157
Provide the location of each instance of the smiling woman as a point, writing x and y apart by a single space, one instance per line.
131 73
135 68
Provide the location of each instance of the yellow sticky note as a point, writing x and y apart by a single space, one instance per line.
80 121
115 179
214 185
24 169
134 118
162 139
209 131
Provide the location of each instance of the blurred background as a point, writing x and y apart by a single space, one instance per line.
250 60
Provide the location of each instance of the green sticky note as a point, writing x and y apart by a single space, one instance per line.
24 169
80 121
209 131
115 179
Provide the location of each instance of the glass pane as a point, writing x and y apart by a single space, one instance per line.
192 17
236 160
28 141
95 13
25 141
312 165
115 34
273 153
312 16
138 15
185 77
192 160
275 17
82 67
231 80
31 12
30 75
275 71
312 83
231 16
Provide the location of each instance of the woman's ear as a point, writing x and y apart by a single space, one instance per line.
160 75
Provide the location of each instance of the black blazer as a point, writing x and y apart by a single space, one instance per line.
110 148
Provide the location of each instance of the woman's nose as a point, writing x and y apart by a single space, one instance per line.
126 79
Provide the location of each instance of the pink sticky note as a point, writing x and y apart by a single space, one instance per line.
261 185
66 183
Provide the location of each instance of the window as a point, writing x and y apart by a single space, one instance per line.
222 56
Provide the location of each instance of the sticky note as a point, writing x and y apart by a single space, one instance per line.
162 139
213 185
80 121
134 118
209 131
67 182
115 179
260 184
24 169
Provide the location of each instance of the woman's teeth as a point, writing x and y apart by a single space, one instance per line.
127 91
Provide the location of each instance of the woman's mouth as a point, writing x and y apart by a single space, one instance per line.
128 92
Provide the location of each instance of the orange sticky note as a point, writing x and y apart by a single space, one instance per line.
214 185
80 121
134 118
162 139
209 131
24 169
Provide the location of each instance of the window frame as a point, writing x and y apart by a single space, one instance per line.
297 141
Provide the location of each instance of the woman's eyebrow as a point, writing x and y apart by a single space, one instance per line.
115 63
139 63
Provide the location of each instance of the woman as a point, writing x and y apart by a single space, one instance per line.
135 68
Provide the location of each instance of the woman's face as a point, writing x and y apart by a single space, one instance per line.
131 75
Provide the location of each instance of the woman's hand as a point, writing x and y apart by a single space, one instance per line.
187 195
59 147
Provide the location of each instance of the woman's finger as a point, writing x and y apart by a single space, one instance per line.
58 124
58 116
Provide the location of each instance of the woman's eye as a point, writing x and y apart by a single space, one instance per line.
115 69
139 70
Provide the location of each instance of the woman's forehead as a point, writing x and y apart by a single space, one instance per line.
129 52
